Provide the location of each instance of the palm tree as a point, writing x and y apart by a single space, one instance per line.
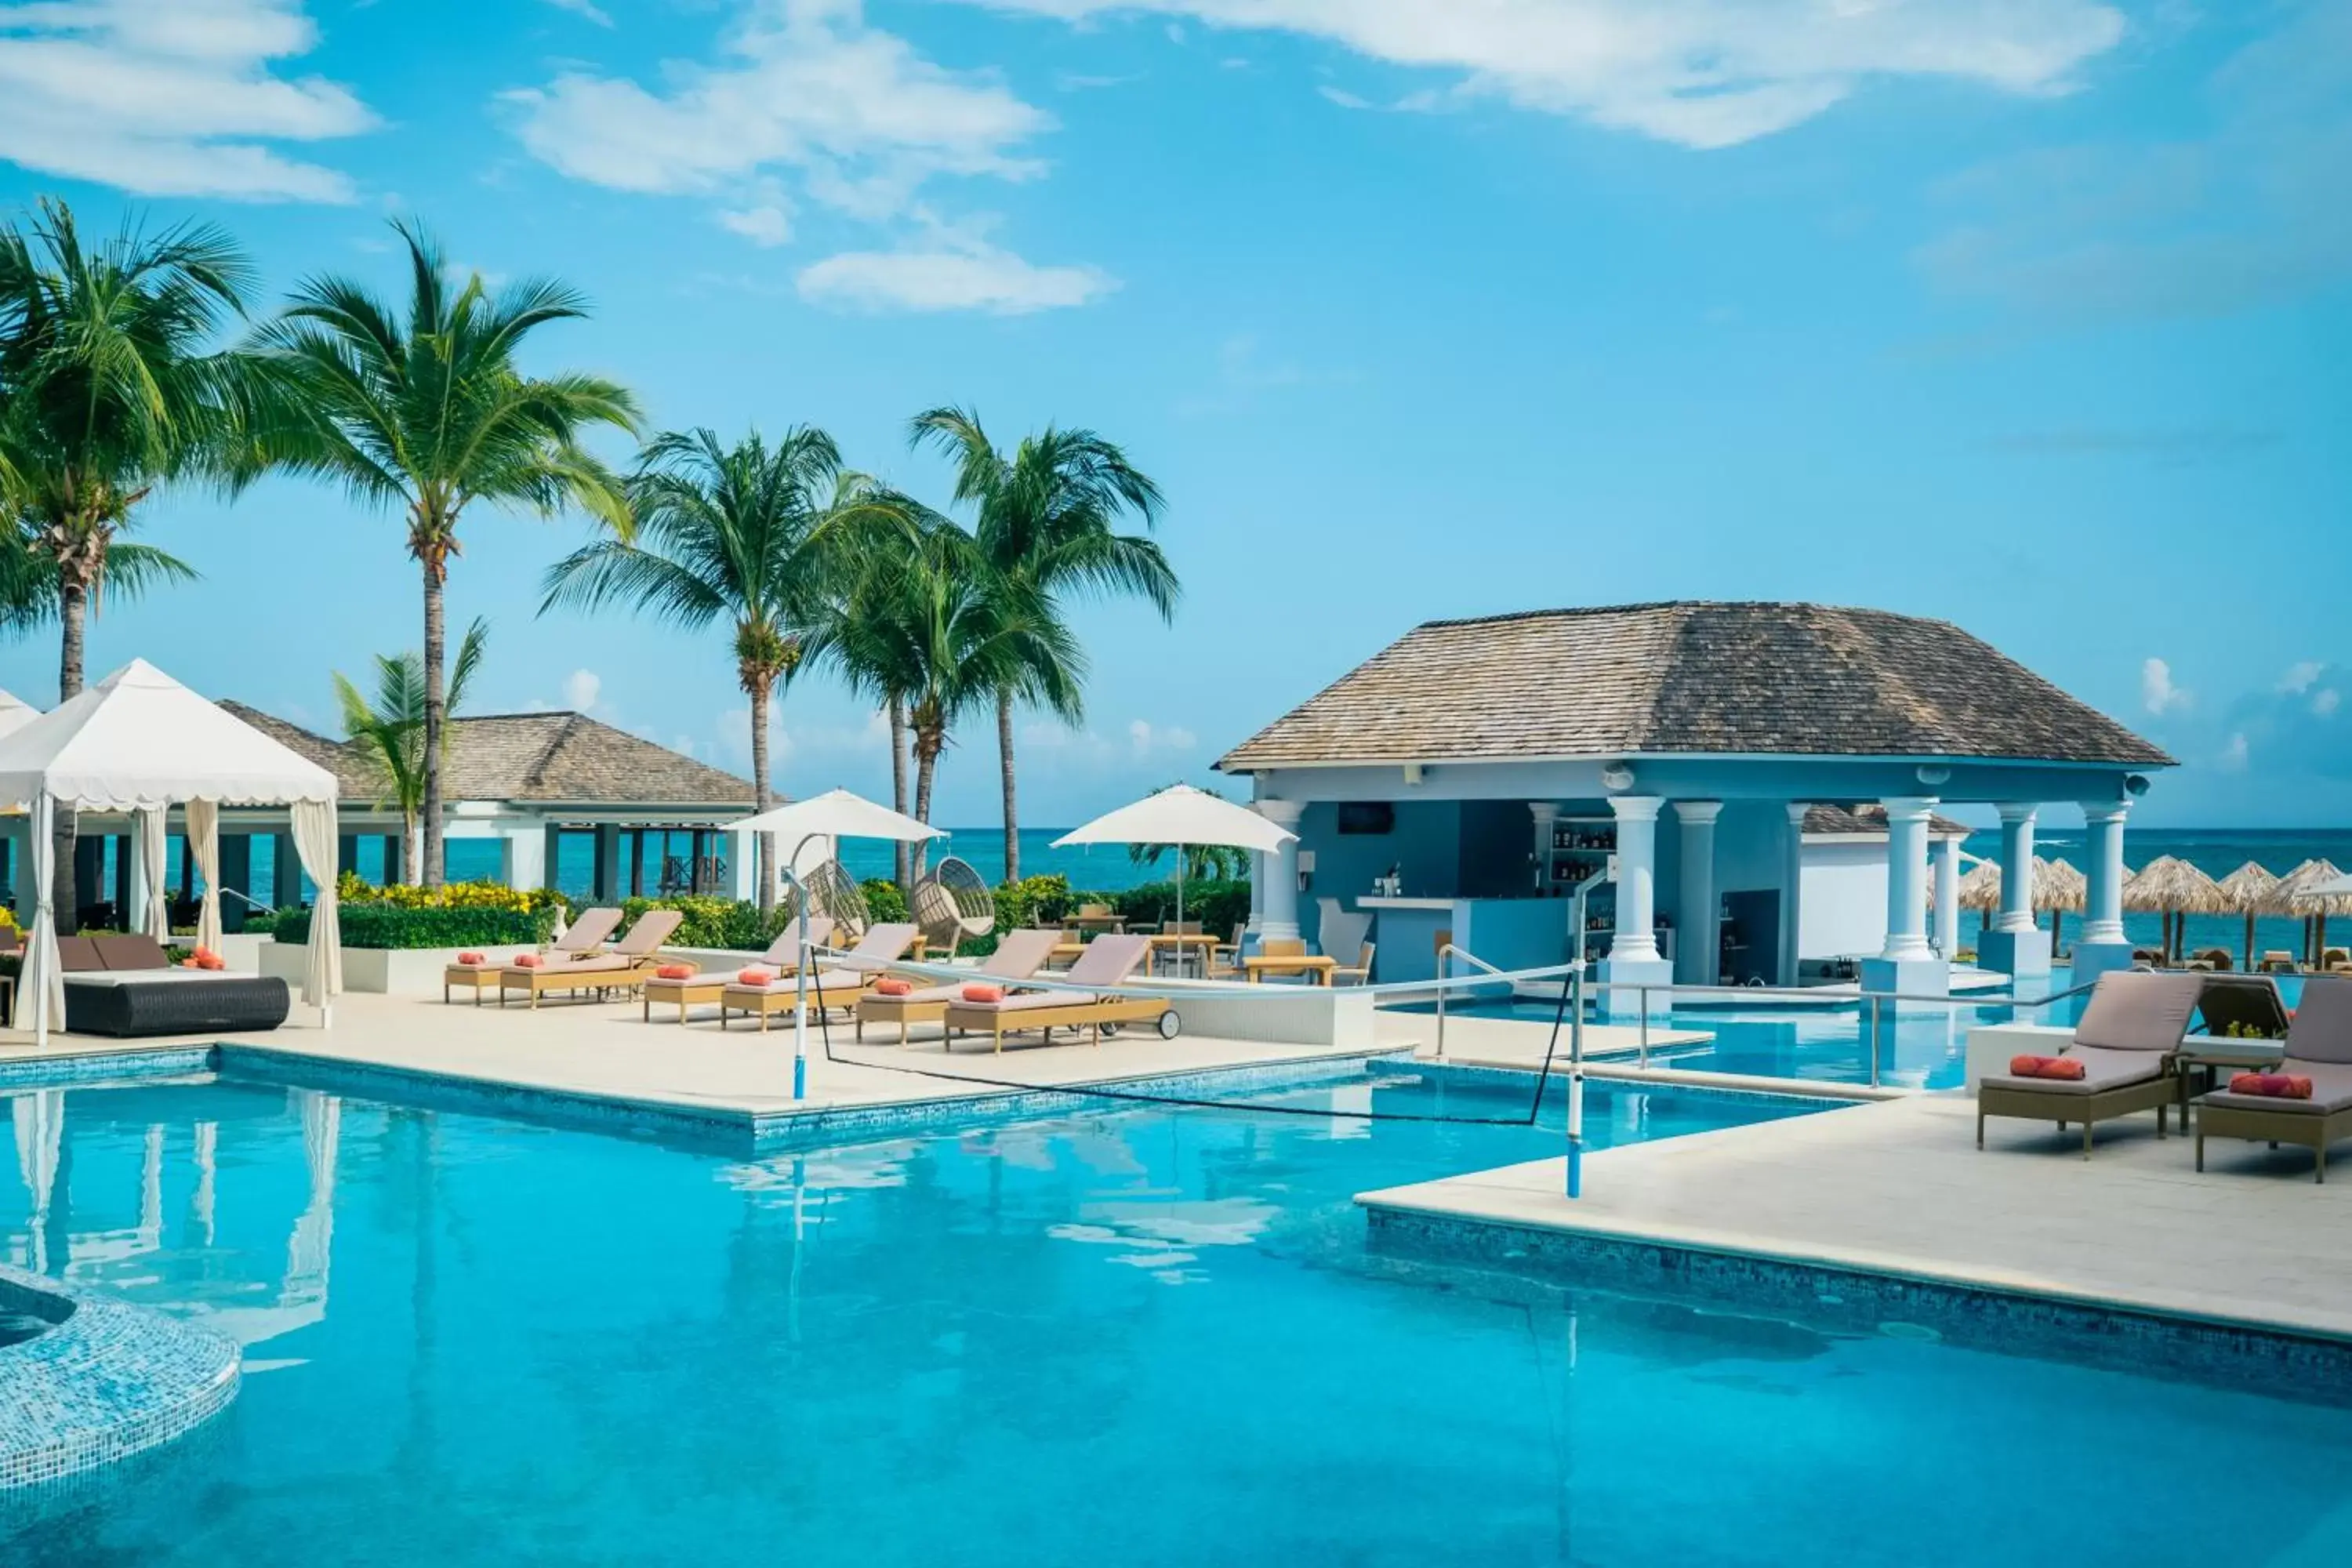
428 412
110 388
926 623
742 534
390 727
1046 521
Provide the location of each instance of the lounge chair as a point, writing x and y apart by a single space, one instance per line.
1358 973
630 964
836 984
1019 955
126 986
2216 959
582 940
1108 962
2277 961
2319 1048
701 990
2242 1006
2335 961
2125 1040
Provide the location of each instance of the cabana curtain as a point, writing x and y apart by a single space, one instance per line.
41 984
203 844
155 919
314 841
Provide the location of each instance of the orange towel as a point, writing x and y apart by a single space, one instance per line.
754 977
471 960
675 971
893 988
984 992
527 960
211 961
2275 1085
2064 1068
190 962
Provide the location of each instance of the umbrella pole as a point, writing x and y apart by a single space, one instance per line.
2249 964
1179 907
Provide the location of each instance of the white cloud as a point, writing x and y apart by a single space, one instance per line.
584 8
1148 739
949 276
2327 701
2157 694
2299 676
766 225
581 690
2233 759
1344 99
1700 73
801 84
172 97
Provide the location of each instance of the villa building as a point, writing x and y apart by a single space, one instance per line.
1757 781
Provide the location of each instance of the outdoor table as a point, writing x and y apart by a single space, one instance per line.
1110 923
1320 965
1177 941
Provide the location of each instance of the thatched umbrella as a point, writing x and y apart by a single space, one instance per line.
2253 891
2295 892
2179 889
2058 888
1981 891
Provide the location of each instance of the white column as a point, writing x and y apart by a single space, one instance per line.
2016 866
1906 879
2103 915
1546 816
1637 869
1793 897
1280 871
1948 898
1696 952
522 858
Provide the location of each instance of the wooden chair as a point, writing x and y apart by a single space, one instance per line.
1357 973
1225 958
1283 947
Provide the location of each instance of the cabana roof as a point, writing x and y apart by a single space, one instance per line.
542 758
1787 680
140 739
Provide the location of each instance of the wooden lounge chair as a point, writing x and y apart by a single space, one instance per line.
582 940
2319 1048
1019 955
1108 962
701 990
630 964
1358 973
2125 1040
838 984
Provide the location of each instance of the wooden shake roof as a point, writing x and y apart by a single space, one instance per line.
1717 679
555 759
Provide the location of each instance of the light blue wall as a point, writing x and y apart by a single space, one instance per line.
1424 845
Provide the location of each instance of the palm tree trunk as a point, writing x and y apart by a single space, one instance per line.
435 640
412 852
905 855
1004 758
73 603
926 758
763 797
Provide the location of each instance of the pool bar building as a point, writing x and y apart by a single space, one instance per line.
1762 779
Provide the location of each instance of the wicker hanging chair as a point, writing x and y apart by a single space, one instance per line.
951 904
832 891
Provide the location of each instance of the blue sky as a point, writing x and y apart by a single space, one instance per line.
2030 314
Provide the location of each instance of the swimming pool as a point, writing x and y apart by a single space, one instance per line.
1141 1335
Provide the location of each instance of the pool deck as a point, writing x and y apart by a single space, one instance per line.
1899 1188
605 1050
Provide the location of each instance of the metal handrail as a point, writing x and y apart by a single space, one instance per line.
1446 951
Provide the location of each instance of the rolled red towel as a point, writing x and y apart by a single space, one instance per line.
675 971
2271 1085
205 955
472 960
527 960
2062 1068
893 987
984 992
754 977
211 961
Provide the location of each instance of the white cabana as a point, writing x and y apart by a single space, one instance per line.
140 742
15 712
1180 815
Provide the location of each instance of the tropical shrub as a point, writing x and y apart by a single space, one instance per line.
884 901
1219 906
712 922
485 894
379 925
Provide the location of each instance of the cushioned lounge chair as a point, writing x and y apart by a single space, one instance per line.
1108 962
838 984
2319 1048
2242 1006
703 990
630 964
2129 1031
1019 955
581 939
126 987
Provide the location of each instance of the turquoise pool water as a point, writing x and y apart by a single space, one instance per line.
1142 1336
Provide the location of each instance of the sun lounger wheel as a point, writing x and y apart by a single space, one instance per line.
1169 1025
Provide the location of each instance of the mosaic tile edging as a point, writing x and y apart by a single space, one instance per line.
2251 1357
66 1069
103 1382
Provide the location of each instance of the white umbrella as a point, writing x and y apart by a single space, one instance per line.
835 814
1180 815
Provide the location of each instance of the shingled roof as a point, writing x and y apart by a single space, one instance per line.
1719 678
1840 821
556 759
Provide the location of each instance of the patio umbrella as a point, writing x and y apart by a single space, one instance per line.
836 813
2314 890
2251 890
1180 816
2176 889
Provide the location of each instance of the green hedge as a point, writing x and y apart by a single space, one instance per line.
388 926
1219 906
884 902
